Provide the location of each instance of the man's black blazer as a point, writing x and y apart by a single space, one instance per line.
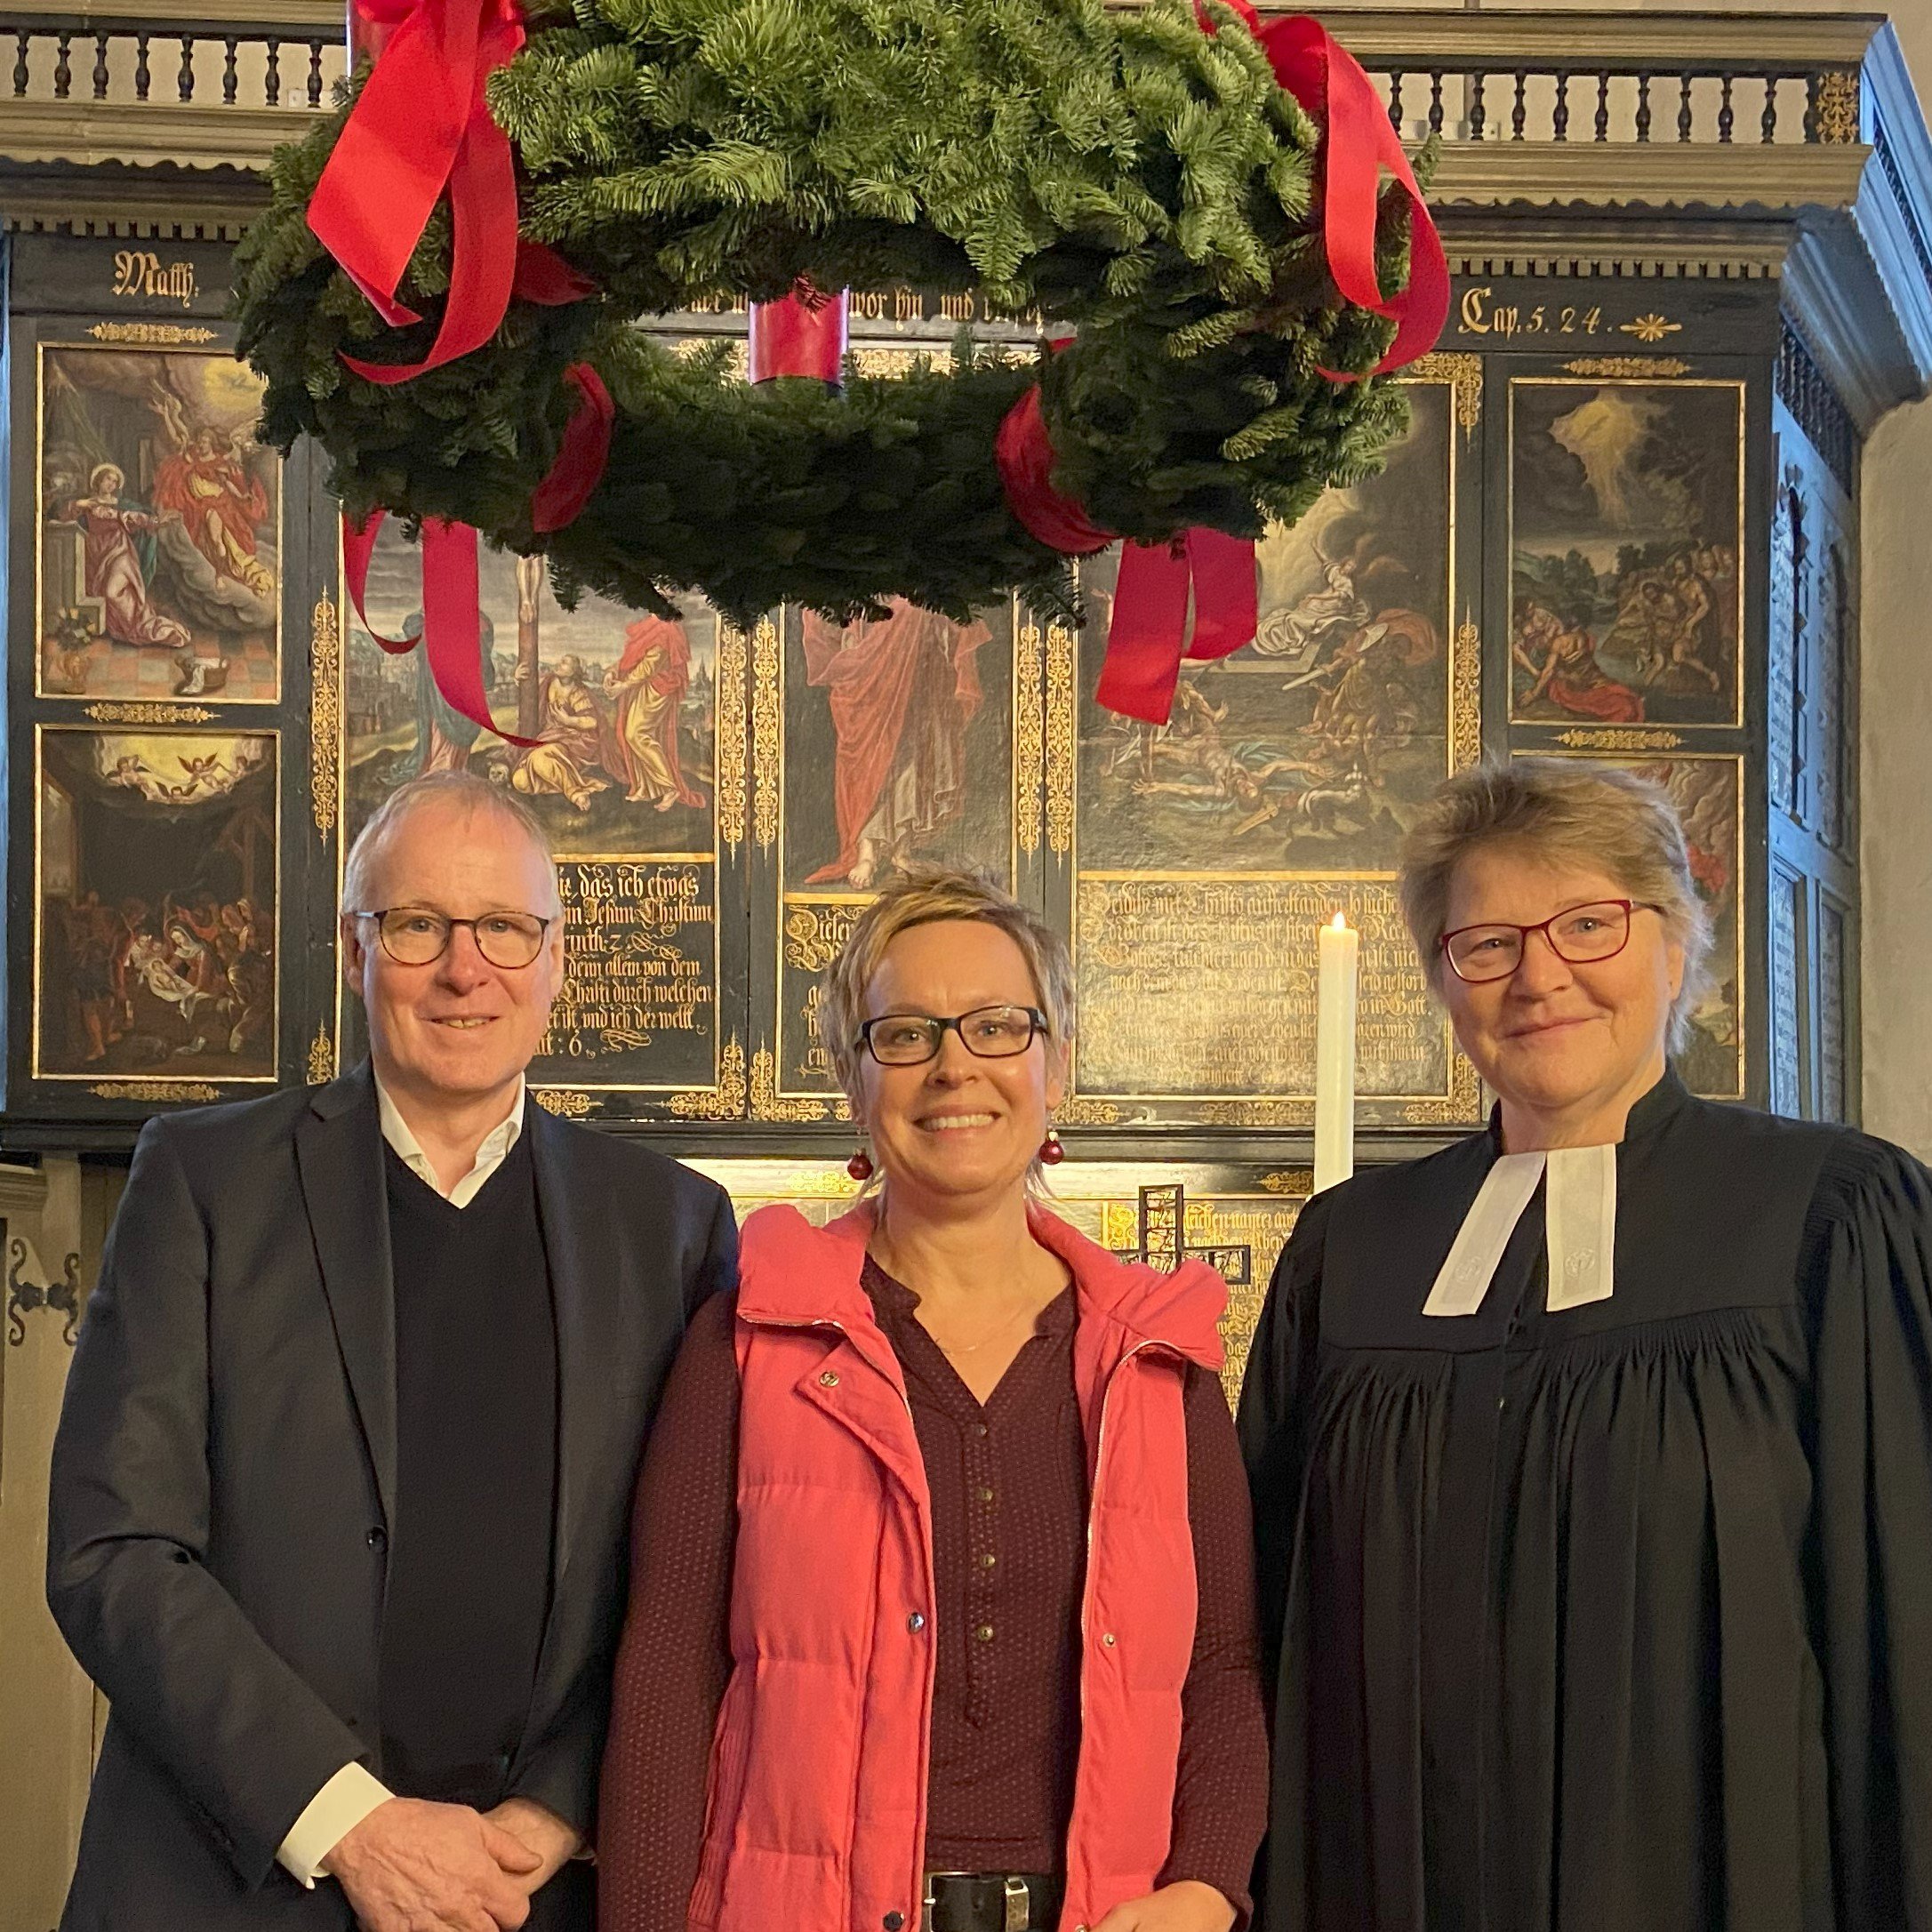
225 1470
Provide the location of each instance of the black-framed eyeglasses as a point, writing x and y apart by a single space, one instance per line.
1578 935
910 1039
413 935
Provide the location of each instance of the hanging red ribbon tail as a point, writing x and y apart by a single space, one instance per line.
1142 665
452 628
422 125
581 455
1357 143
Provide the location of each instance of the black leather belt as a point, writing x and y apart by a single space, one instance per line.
991 1902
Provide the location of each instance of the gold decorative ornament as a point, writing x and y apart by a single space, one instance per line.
1836 113
568 1102
1639 366
177 1090
1028 740
1258 1113
1063 738
110 712
1463 374
1650 328
768 735
149 334
726 1100
325 716
321 1056
1465 700
768 1104
1619 738
731 735
1291 1181
1086 1113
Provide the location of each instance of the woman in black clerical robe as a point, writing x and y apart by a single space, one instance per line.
1592 1457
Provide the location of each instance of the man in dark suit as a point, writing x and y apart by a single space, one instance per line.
341 1487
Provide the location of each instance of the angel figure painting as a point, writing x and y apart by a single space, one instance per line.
160 528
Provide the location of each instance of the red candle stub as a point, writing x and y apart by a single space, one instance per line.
804 334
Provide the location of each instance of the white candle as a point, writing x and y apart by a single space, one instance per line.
1337 945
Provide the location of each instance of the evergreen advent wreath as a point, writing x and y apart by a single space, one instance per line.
1140 175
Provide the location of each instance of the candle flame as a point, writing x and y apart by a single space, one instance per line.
1339 923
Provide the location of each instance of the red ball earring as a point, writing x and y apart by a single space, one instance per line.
860 1166
1051 1152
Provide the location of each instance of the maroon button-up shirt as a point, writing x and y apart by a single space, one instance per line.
1009 1501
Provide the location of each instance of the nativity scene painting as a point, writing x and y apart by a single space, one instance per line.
155 954
1626 510
1308 750
619 702
897 747
160 529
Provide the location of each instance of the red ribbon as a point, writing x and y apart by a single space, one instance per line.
422 125
1357 142
803 334
452 629
578 466
1205 570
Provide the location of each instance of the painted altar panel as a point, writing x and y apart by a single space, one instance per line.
1206 851
898 749
1626 532
159 527
1237 1217
157 876
638 775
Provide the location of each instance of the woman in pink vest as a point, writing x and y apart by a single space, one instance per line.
942 1609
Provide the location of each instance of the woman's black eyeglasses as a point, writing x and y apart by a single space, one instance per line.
909 1040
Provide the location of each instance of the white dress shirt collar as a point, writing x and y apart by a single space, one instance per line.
490 1156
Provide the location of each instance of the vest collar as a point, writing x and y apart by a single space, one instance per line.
794 1275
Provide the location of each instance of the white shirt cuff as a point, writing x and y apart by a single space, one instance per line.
330 1816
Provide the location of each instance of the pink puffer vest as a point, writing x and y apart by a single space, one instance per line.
815 1818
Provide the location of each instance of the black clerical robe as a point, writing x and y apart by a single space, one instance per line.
1619 1617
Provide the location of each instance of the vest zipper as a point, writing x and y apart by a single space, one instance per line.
1086 1594
839 1328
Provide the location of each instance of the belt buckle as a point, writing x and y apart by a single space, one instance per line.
1019 1905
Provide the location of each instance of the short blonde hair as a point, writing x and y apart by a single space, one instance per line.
1564 811
925 895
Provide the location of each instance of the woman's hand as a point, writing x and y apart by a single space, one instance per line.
1188 1905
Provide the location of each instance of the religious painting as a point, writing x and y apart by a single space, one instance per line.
622 707
897 753
1708 794
1210 848
1235 1217
1626 507
160 522
155 948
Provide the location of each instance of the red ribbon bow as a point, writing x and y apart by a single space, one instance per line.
1205 570
422 125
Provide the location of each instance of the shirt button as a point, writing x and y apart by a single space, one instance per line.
377 1539
827 1380
988 1560
917 1621
980 1428
984 1633
1108 1640
984 1494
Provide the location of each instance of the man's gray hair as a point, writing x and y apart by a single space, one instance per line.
463 789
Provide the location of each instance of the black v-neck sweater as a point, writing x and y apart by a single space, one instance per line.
469 1556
